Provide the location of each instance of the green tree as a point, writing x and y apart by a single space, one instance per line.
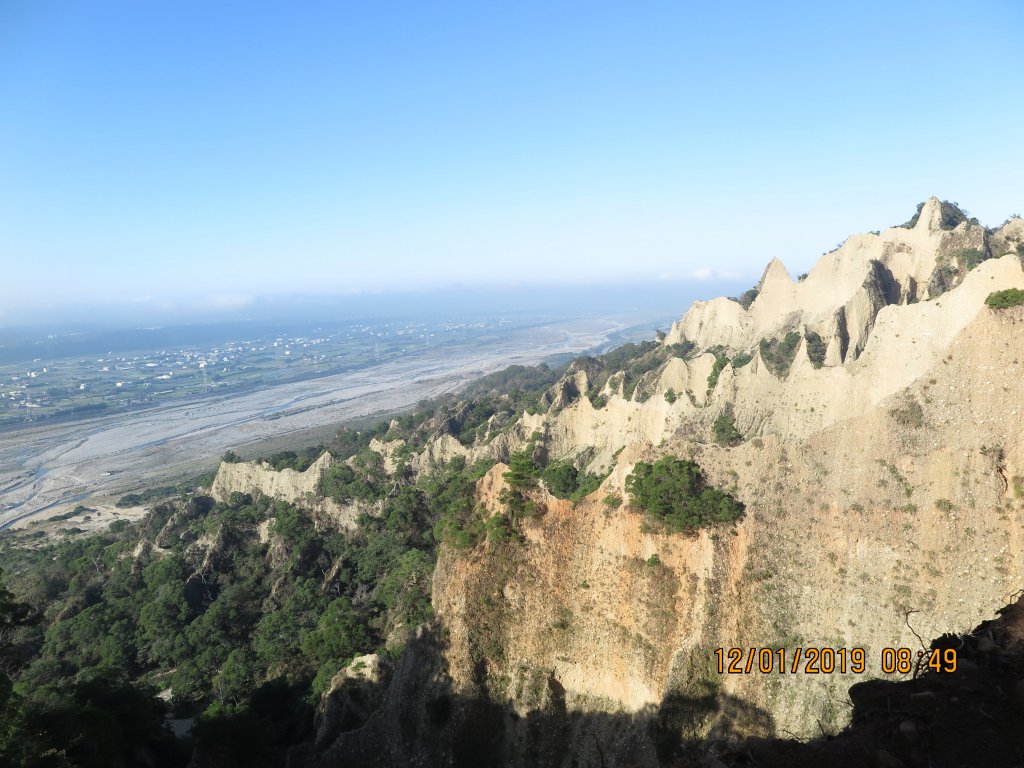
406 510
1011 297
13 614
716 370
99 721
724 429
522 472
339 634
746 298
404 591
561 478
675 493
163 617
816 348
364 478
499 530
451 496
238 677
741 359
276 638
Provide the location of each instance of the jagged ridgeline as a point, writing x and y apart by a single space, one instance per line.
537 571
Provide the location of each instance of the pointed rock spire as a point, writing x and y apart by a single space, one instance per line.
775 272
930 216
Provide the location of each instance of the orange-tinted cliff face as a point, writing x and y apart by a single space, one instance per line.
878 448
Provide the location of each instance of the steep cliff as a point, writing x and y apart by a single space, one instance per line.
862 328
287 485
915 505
881 462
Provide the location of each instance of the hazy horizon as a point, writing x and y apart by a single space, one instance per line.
666 297
205 155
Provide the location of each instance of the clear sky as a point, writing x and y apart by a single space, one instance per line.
229 149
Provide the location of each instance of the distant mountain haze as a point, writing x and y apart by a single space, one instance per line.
657 296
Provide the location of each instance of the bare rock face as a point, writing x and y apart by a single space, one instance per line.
883 480
865 307
355 693
301 488
904 519
251 476
893 265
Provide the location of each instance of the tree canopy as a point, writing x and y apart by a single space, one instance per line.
676 493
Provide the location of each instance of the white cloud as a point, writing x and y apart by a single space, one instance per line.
701 274
229 300
707 273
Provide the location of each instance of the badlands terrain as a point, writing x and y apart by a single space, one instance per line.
539 570
869 417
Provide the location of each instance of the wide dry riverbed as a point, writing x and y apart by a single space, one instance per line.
46 468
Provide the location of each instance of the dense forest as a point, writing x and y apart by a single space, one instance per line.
241 613
232 617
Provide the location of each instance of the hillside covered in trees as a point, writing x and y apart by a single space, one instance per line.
230 621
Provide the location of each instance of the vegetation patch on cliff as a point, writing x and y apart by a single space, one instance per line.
564 481
746 298
630 367
816 348
778 354
950 216
676 494
721 360
365 479
724 429
1011 297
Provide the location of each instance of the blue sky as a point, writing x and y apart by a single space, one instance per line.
150 151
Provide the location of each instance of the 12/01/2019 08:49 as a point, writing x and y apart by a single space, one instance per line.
828 661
